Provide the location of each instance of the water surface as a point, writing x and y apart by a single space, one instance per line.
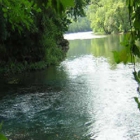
86 97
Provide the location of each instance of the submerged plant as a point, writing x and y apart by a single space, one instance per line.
2 136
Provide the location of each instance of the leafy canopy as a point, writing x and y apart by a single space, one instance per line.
20 13
108 16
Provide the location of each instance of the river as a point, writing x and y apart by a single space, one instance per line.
85 97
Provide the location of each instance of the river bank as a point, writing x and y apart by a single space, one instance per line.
53 57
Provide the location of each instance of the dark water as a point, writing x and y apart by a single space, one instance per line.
86 97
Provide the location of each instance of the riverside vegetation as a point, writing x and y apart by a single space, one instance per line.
31 34
109 16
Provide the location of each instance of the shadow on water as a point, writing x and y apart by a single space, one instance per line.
83 98
39 81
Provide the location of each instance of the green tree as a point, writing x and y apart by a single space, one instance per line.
31 32
108 16
82 24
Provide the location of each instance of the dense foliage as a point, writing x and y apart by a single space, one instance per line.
82 24
31 32
109 16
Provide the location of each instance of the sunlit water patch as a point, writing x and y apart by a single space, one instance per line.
82 35
108 98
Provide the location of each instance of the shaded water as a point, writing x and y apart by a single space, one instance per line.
86 97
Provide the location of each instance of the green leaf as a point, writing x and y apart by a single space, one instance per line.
137 24
61 5
137 101
38 10
136 50
67 3
136 76
116 57
2 137
122 56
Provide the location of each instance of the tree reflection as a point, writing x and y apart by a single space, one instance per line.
98 47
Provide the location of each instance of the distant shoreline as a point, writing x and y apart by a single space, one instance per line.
82 35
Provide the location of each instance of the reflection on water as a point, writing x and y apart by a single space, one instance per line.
81 99
98 47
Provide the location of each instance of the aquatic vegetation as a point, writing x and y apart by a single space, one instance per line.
2 136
